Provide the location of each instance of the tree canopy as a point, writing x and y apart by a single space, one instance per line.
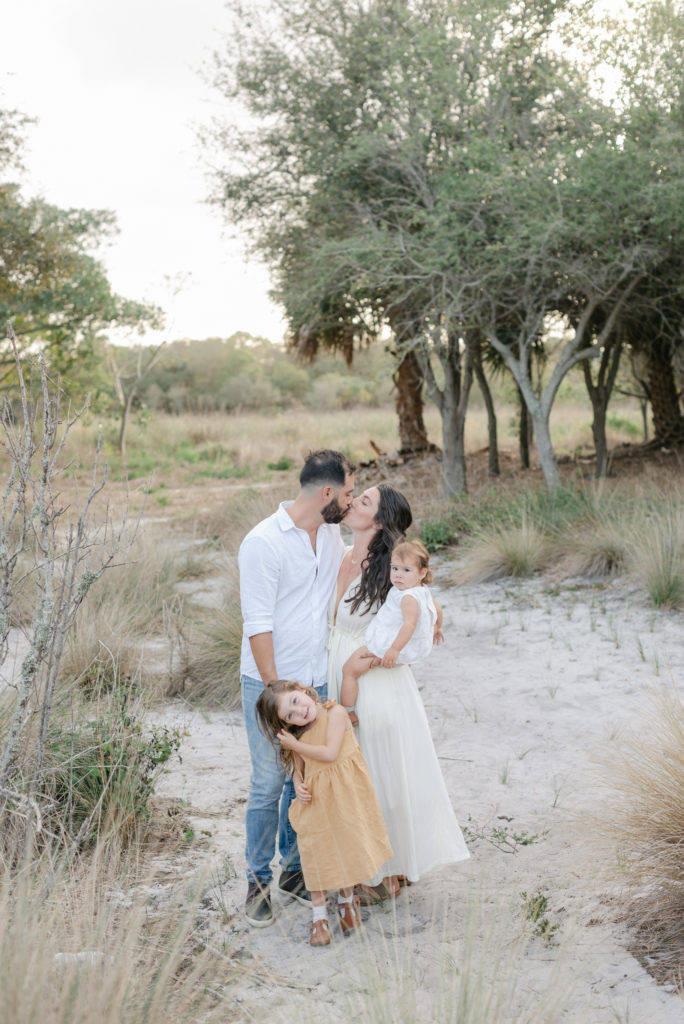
52 288
440 166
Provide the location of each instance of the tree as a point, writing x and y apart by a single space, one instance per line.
646 50
62 560
52 289
440 167
129 368
372 121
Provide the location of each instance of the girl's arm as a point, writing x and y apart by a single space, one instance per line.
437 634
338 722
409 611
301 788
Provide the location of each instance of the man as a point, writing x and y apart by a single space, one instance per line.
288 568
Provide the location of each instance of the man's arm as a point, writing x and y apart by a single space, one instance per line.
262 649
259 578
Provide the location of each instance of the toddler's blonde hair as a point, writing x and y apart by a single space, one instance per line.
415 552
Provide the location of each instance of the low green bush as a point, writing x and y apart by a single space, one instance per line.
437 534
103 768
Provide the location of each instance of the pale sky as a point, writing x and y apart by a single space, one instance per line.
116 90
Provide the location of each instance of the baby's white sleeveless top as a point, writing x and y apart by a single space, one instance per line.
383 630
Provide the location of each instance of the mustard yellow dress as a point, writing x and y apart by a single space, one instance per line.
341 833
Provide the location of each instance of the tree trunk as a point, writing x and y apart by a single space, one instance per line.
547 456
125 412
668 423
599 395
457 386
452 402
598 431
643 405
493 455
408 380
524 433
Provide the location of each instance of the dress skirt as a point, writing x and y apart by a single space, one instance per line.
395 739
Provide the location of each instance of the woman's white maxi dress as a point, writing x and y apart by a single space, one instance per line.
394 736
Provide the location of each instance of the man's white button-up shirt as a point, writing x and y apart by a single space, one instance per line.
285 587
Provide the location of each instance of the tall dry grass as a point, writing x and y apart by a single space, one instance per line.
190 447
587 531
518 550
106 645
75 949
643 818
477 973
657 552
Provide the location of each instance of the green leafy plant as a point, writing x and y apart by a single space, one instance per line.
535 907
437 534
104 769
503 837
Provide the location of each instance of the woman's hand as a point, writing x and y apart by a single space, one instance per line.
302 791
390 658
287 740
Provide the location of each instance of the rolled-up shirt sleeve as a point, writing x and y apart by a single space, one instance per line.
259 575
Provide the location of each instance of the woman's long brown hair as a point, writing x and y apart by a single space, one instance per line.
394 517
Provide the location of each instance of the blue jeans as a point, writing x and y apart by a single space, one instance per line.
270 796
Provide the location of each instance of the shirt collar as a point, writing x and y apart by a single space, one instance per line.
285 521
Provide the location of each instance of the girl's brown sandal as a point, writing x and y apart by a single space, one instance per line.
349 916
319 933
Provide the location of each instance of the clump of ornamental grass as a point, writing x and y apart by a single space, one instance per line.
596 546
643 818
517 550
658 553
125 607
206 645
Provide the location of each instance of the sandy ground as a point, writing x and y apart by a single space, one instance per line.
533 682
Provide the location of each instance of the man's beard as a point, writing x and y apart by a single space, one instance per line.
333 512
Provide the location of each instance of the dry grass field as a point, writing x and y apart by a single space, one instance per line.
141 922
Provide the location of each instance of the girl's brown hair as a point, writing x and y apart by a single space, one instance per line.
271 724
416 552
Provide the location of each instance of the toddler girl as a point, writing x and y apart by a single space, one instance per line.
340 829
405 626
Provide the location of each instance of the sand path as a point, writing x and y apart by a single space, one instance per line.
534 679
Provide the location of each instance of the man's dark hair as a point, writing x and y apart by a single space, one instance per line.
325 467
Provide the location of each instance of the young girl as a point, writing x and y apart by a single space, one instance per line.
405 627
340 830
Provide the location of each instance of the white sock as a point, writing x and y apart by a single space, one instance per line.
344 899
320 913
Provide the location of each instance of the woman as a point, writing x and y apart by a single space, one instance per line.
393 732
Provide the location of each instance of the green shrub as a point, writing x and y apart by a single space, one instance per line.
104 769
437 534
283 463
